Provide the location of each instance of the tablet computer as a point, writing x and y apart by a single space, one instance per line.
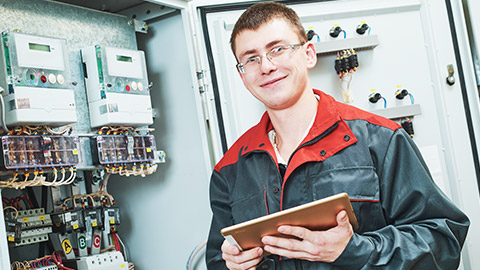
317 215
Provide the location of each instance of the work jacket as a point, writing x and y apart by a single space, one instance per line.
405 220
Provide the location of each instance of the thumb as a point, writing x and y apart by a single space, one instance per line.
342 219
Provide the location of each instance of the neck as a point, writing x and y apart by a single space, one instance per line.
290 124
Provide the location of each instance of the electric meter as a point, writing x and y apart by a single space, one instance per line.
35 74
117 86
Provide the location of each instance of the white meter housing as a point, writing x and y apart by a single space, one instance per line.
117 86
35 74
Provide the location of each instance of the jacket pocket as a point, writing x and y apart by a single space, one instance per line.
362 186
249 207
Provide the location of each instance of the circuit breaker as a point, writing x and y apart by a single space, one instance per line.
35 226
117 87
36 79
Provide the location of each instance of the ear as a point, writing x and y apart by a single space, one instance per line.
311 55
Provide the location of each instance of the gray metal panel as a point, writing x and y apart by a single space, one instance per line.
165 215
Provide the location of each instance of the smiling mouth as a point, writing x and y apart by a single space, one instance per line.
272 81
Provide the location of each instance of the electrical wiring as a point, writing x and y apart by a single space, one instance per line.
102 195
123 247
2 103
55 176
194 253
39 179
144 170
61 132
346 93
73 175
27 200
11 207
58 261
103 184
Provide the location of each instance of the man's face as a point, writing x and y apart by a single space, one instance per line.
277 85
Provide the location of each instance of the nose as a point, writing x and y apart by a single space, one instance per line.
266 65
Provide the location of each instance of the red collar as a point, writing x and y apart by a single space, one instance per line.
328 115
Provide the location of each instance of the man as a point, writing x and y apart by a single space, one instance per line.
306 147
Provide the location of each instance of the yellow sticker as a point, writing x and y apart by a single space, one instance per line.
94 224
310 28
363 22
75 226
335 25
399 86
122 265
373 90
25 219
11 239
75 152
112 221
42 217
67 247
149 150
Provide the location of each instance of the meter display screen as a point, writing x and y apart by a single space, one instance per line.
123 58
39 47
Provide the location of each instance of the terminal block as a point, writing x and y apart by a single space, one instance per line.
48 267
68 221
121 149
35 226
106 261
40 151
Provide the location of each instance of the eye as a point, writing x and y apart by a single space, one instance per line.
278 49
251 60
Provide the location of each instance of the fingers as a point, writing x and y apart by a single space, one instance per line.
241 260
342 219
287 243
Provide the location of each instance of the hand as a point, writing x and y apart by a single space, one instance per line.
240 260
325 246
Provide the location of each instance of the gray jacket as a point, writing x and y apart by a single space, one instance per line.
405 221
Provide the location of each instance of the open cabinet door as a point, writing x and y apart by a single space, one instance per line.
412 45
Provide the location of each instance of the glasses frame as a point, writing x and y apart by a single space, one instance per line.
258 58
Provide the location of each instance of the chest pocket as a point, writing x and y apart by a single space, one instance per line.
248 207
362 186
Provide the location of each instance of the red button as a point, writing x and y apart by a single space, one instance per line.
127 87
43 79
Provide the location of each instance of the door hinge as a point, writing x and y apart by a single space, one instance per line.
202 86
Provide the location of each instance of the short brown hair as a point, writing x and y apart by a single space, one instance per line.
261 13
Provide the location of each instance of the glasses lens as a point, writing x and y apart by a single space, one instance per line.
250 65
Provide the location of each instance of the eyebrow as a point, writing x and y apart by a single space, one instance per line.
268 46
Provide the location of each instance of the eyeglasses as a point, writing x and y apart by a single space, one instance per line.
276 55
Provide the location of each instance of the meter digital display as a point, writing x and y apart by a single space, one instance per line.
38 47
124 58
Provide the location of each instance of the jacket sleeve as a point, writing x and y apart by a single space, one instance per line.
424 230
222 217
